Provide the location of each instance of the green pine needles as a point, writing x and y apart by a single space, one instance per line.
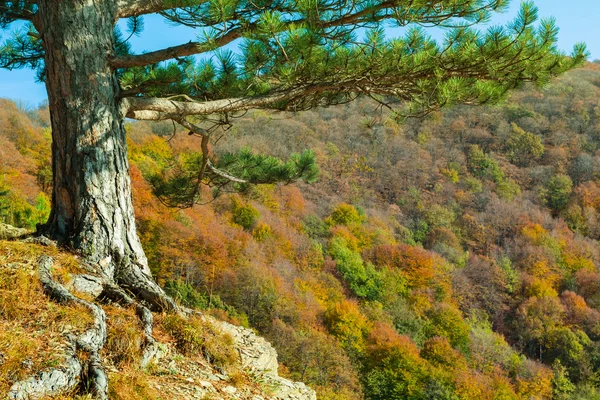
180 185
295 55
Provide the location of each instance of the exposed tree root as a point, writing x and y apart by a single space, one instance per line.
91 342
117 295
132 278
130 286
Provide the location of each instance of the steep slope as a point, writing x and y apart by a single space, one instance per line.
45 346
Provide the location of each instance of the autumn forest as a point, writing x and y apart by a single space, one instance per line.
450 257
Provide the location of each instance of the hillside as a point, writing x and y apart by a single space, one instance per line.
452 257
194 357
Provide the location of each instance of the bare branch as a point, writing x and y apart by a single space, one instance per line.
225 175
156 109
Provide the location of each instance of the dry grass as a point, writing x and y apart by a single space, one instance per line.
32 327
194 337
28 253
130 384
123 346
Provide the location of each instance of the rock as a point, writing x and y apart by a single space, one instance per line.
41 240
229 390
8 232
88 284
48 383
259 357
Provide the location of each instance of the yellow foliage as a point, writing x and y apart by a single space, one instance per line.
540 288
538 386
451 174
267 195
534 232
349 325
261 232
130 384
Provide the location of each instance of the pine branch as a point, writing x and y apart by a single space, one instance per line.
422 16
134 8
12 11
184 50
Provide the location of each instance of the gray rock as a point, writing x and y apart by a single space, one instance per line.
259 356
10 232
48 383
88 284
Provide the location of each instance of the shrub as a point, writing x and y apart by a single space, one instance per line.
523 147
558 191
196 336
244 215
362 278
124 336
345 214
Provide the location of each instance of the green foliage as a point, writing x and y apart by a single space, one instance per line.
315 227
345 214
562 387
510 273
483 166
557 192
244 215
523 147
16 211
179 184
447 321
188 296
362 278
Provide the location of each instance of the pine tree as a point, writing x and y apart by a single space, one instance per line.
294 55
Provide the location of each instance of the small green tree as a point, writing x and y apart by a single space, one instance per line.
523 147
557 192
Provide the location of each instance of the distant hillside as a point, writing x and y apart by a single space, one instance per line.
453 257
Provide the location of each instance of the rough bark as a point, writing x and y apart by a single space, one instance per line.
92 210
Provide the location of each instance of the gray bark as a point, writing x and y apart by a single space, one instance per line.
92 210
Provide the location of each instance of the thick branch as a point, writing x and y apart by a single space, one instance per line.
155 109
183 50
132 8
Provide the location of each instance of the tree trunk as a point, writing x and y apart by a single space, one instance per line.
91 200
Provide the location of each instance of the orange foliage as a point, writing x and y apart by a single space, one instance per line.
384 339
417 265
439 352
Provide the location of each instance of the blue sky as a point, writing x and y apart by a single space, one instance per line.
578 21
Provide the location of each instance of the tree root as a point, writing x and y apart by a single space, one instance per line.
91 341
132 278
117 295
130 286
